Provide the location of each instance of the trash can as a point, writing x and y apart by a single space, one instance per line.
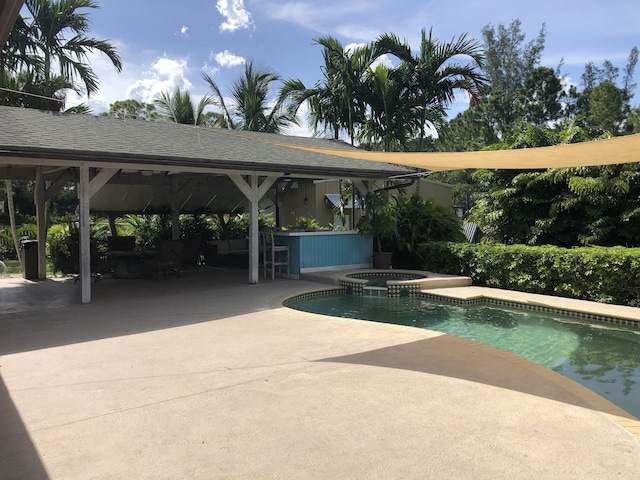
30 259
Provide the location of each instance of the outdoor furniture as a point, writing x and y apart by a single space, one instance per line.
168 258
121 244
191 247
129 263
274 257
234 253
99 265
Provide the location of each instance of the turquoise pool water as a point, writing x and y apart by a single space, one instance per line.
605 359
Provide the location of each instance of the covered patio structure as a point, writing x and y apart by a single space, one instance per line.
139 166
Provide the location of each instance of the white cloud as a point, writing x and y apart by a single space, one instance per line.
304 129
316 15
382 60
112 84
352 47
358 32
227 59
236 15
165 75
209 70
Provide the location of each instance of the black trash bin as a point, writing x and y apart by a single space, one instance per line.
30 259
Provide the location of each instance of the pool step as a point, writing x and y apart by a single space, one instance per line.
374 291
445 281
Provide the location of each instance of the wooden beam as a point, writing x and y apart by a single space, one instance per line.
85 246
9 11
101 178
57 184
254 191
175 209
41 223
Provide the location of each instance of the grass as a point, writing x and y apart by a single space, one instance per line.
13 268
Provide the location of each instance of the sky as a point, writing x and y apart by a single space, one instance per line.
166 44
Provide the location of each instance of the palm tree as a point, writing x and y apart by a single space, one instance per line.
251 109
27 89
179 108
434 76
57 34
391 118
336 101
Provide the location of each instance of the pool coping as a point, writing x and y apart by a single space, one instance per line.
581 309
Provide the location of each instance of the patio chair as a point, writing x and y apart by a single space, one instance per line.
274 257
168 258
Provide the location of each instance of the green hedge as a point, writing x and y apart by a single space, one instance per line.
601 274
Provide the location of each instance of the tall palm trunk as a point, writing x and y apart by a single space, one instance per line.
12 219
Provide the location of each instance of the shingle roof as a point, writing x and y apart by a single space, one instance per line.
29 133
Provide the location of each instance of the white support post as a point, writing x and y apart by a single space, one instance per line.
86 189
41 222
254 191
175 209
254 246
85 247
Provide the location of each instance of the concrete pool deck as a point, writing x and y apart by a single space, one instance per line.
205 376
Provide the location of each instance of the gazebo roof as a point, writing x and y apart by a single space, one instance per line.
31 137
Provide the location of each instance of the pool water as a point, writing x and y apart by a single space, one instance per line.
605 359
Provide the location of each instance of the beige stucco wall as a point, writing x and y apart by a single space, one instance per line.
306 198
440 193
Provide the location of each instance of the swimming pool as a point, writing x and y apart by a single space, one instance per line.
604 358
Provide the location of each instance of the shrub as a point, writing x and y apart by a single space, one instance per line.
418 221
601 274
57 251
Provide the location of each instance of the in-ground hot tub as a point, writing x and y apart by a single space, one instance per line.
380 283
397 283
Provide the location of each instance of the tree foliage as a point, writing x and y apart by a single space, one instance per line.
382 106
132 109
509 63
251 108
178 107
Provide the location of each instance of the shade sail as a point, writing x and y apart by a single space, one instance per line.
598 152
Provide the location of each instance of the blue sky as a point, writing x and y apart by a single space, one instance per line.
165 43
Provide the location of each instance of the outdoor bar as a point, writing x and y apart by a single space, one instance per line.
326 250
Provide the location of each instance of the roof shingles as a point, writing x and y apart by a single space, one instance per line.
32 133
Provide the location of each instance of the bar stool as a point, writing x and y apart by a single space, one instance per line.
273 256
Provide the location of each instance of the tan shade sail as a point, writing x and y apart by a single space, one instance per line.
599 152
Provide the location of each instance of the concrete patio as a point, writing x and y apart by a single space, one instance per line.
205 376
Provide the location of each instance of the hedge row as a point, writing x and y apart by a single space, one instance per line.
602 274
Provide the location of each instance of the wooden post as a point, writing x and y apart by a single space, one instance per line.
85 238
41 222
254 191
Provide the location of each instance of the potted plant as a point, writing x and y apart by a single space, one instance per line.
379 220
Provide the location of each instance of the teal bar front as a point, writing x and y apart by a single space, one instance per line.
326 250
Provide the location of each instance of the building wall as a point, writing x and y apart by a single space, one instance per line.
306 198
440 193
